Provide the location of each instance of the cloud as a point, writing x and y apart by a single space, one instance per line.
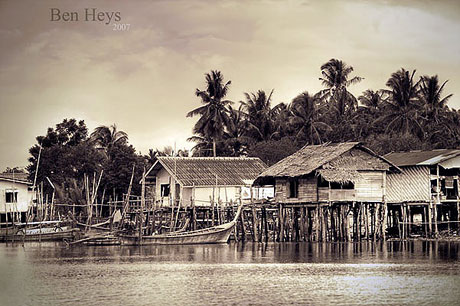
144 79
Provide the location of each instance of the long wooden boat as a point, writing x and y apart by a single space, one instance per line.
215 234
29 232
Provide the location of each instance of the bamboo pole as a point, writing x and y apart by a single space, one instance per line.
126 202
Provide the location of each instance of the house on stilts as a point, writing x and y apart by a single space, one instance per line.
424 198
204 181
330 192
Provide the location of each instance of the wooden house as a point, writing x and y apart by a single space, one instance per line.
333 172
331 192
15 196
426 192
200 181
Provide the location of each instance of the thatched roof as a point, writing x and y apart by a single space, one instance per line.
339 175
209 171
337 162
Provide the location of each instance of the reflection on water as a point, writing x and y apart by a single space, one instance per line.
415 272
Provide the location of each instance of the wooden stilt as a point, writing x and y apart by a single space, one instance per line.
281 222
254 225
243 228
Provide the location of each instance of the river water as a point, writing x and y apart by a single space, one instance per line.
394 273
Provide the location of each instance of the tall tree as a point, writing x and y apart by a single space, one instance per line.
235 140
213 113
107 136
66 154
281 120
336 78
305 119
339 104
403 108
258 111
431 97
372 100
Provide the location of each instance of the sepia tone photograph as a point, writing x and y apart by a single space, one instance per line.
233 152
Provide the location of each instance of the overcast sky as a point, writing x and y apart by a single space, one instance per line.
144 79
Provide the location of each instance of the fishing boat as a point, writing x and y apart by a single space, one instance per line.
214 234
39 231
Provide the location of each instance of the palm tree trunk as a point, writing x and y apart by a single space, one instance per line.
214 147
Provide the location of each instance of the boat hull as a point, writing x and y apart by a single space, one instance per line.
213 235
69 234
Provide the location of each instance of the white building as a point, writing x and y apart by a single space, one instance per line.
15 195
202 180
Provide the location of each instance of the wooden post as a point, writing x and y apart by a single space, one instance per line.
366 221
243 228
385 216
302 224
254 223
264 214
281 222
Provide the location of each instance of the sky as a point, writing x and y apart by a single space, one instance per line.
143 79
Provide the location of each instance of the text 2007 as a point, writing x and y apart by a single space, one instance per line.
121 26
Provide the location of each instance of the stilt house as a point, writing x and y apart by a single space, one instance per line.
331 192
333 172
426 193
15 196
200 181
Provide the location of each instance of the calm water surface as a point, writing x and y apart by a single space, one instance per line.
395 273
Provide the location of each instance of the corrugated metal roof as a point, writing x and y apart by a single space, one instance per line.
17 177
206 171
411 185
310 158
413 158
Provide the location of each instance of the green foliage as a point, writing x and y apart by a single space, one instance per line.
410 113
272 151
68 155
213 113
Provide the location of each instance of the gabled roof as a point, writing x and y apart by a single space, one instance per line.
21 178
326 156
210 171
421 158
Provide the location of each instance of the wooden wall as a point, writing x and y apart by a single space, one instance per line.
307 190
368 189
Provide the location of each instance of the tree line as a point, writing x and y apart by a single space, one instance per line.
409 113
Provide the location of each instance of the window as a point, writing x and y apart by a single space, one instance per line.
165 189
293 188
346 185
11 196
322 182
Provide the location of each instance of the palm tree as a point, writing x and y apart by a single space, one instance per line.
430 96
305 118
234 136
258 111
213 112
281 117
364 120
203 147
372 100
439 124
402 108
105 137
336 78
